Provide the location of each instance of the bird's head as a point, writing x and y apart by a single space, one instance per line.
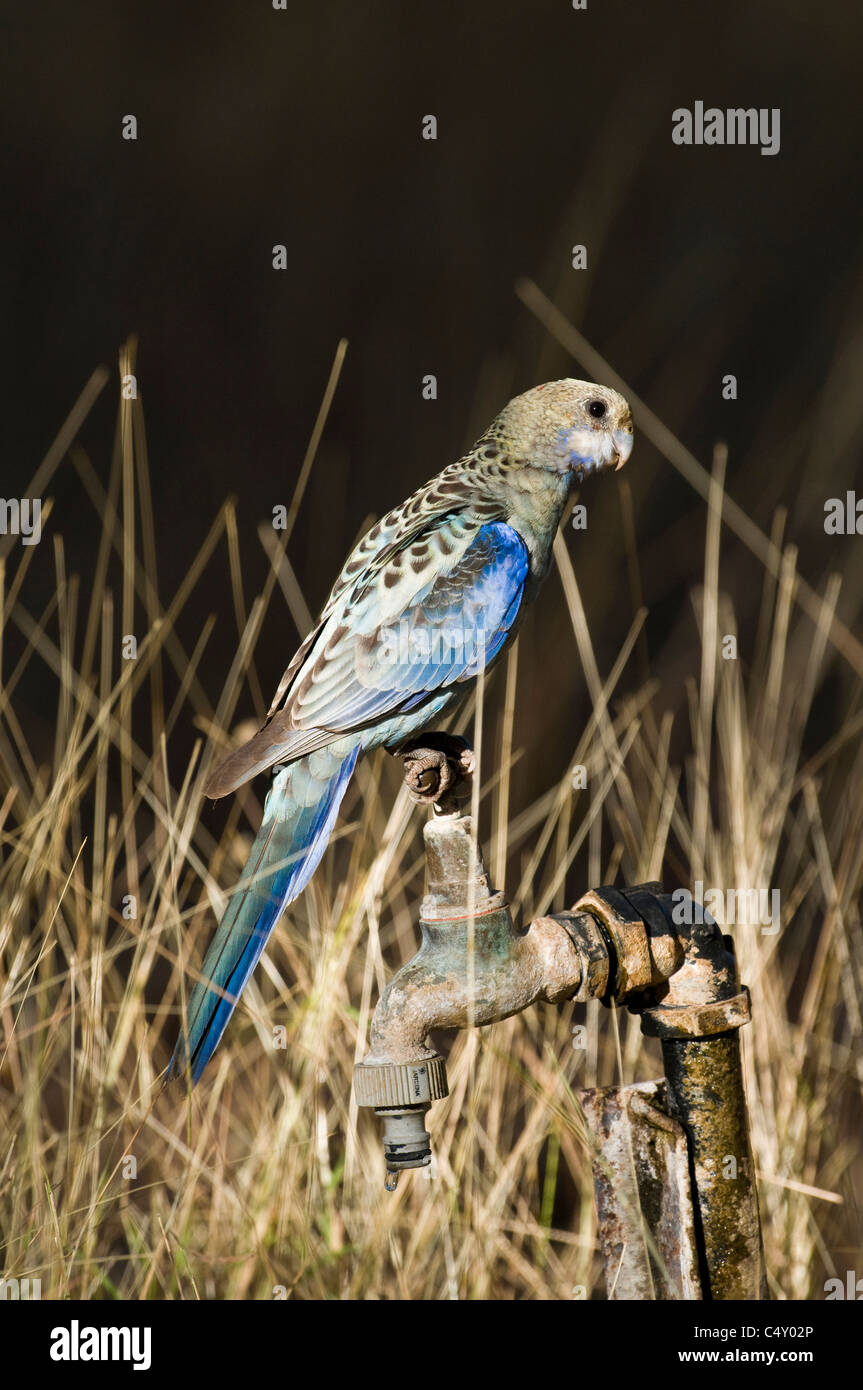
569 426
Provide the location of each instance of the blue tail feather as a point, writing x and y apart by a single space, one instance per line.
299 814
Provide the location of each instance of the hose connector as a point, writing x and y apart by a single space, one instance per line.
401 1093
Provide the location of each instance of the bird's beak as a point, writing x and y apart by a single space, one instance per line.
623 445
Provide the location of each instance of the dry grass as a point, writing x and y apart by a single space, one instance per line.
267 1179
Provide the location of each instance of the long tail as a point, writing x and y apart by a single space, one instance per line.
299 814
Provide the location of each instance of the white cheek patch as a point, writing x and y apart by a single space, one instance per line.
586 447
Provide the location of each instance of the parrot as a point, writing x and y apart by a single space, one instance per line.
429 597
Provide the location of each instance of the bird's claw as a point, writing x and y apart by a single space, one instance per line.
437 767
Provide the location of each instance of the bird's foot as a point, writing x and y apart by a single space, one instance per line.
438 769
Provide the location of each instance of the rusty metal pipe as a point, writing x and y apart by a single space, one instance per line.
475 967
623 946
698 1019
704 1081
478 971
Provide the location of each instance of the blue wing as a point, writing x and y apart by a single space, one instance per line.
455 624
427 621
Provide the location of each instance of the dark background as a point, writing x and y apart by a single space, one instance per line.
257 126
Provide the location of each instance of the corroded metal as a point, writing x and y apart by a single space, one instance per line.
662 1236
698 1017
697 1020
643 1202
456 881
705 1092
644 946
474 965
694 1003
593 947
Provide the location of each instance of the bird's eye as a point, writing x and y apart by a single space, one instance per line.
597 409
